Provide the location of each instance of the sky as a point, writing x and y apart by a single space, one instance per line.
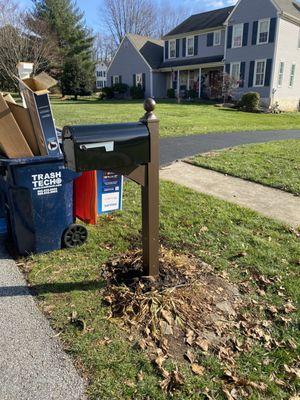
92 8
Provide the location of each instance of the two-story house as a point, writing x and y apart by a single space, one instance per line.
194 54
263 50
257 42
101 71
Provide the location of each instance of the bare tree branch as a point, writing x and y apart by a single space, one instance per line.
168 16
129 16
19 43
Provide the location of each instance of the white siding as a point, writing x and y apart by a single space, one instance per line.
289 53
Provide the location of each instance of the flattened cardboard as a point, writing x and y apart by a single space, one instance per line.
12 142
23 119
8 97
35 92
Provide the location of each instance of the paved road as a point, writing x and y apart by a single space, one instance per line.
33 365
172 149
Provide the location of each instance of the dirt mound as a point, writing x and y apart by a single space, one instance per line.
187 306
190 311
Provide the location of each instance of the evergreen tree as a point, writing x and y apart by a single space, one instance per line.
75 68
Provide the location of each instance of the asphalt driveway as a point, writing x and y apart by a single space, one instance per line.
172 149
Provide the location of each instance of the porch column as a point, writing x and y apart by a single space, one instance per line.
188 80
199 89
178 83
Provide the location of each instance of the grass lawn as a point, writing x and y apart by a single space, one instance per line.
226 236
275 164
176 119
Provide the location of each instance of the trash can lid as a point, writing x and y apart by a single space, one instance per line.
30 160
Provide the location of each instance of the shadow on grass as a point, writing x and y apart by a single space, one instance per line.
47 288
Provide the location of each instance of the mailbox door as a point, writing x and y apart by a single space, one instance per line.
106 147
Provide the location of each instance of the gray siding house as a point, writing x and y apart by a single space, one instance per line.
136 63
257 42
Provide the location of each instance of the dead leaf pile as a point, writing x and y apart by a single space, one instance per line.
190 310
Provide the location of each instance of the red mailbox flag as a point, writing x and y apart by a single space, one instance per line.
85 197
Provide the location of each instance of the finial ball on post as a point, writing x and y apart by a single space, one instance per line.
149 105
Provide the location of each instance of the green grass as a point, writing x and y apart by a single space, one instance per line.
275 164
176 119
70 280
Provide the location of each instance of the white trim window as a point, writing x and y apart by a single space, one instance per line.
292 75
139 80
217 38
237 36
281 73
260 73
116 79
235 72
190 43
172 49
263 31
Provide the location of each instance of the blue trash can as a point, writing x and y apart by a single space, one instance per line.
38 195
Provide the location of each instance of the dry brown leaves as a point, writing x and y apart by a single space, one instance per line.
190 310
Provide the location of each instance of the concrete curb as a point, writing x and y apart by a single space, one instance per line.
33 365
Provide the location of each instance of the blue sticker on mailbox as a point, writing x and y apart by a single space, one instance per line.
110 192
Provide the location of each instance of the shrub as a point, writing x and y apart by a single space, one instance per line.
250 102
171 93
137 92
120 88
106 93
192 94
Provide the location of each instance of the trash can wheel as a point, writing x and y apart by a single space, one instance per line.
75 235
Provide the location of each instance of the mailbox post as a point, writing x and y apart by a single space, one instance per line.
131 150
150 196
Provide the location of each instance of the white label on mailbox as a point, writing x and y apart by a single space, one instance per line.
110 201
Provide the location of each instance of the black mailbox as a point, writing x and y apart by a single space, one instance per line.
106 147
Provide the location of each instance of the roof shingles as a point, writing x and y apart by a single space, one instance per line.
151 49
206 20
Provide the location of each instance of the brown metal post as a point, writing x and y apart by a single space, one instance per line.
150 196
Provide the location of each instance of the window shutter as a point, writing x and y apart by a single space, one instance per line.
120 78
242 74
210 39
227 69
134 80
112 81
268 72
166 50
144 81
272 34
254 32
229 37
183 47
196 45
245 34
251 74
177 47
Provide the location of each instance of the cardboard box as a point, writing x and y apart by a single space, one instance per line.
23 119
12 142
36 95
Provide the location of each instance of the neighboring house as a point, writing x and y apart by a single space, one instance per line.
101 74
136 63
263 50
257 42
